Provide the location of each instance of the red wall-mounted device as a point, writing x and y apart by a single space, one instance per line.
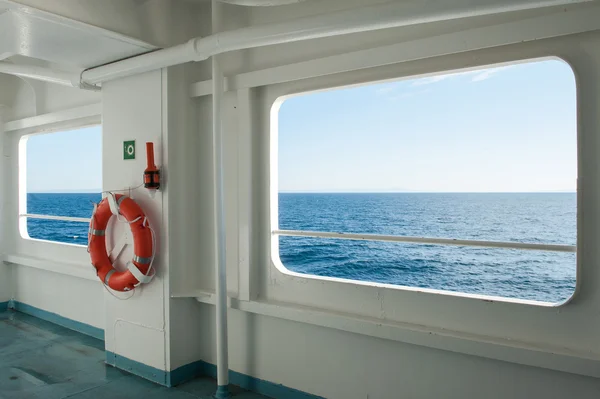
151 174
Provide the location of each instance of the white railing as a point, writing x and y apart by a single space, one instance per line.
379 237
428 240
50 217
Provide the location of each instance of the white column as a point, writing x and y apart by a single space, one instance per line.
219 214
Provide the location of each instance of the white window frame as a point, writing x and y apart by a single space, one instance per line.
408 311
562 339
52 256
276 232
23 214
20 130
457 241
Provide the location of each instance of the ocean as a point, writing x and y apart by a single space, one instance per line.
76 205
529 217
535 218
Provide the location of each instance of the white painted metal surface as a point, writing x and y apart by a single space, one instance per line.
366 19
491 317
6 286
51 217
351 21
40 73
390 342
50 37
246 283
540 27
84 115
427 240
144 63
499 349
80 270
219 215
134 325
161 23
47 275
261 3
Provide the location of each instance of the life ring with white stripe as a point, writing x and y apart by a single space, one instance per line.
139 269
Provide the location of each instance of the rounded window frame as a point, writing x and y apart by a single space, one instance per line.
22 177
273 187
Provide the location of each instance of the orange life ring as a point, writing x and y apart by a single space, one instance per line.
139 269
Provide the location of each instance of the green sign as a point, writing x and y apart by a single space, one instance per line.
129 149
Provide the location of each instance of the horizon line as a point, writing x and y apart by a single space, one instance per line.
99 191
431 192
352 192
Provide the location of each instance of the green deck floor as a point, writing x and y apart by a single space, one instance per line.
41 360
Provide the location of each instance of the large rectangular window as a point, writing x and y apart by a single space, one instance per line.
63 179
404 169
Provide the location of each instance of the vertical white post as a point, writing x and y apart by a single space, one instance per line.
219 213
4 167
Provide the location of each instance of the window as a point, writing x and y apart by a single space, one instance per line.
377 183
61 180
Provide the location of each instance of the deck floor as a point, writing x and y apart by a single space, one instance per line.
41 360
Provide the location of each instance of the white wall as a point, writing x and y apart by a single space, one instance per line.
71 297
188 175
6 280
53 277
6 283
133 109
333 363
336 364
168 332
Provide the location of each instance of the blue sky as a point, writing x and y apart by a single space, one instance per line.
502 129
69 161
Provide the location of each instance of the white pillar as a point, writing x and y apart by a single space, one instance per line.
219 213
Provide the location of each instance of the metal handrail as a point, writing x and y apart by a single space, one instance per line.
51 217
428 240
379 237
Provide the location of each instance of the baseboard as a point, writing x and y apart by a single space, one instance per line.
253 384
166 378
57 319
140 369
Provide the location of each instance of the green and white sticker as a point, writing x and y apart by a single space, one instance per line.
129 149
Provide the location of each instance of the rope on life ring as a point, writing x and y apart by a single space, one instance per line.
139 269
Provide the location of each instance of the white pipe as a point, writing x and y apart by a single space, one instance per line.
261 3
44 74
428 240
389 15
219 215
158 59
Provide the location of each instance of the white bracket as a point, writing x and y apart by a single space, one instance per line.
119 247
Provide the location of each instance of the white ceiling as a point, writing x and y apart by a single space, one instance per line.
37 34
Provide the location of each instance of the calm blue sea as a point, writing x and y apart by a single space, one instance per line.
78 205
536 218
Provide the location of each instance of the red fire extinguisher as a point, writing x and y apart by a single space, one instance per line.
151 174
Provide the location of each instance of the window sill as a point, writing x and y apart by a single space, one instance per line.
65 244
82 271
553 358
